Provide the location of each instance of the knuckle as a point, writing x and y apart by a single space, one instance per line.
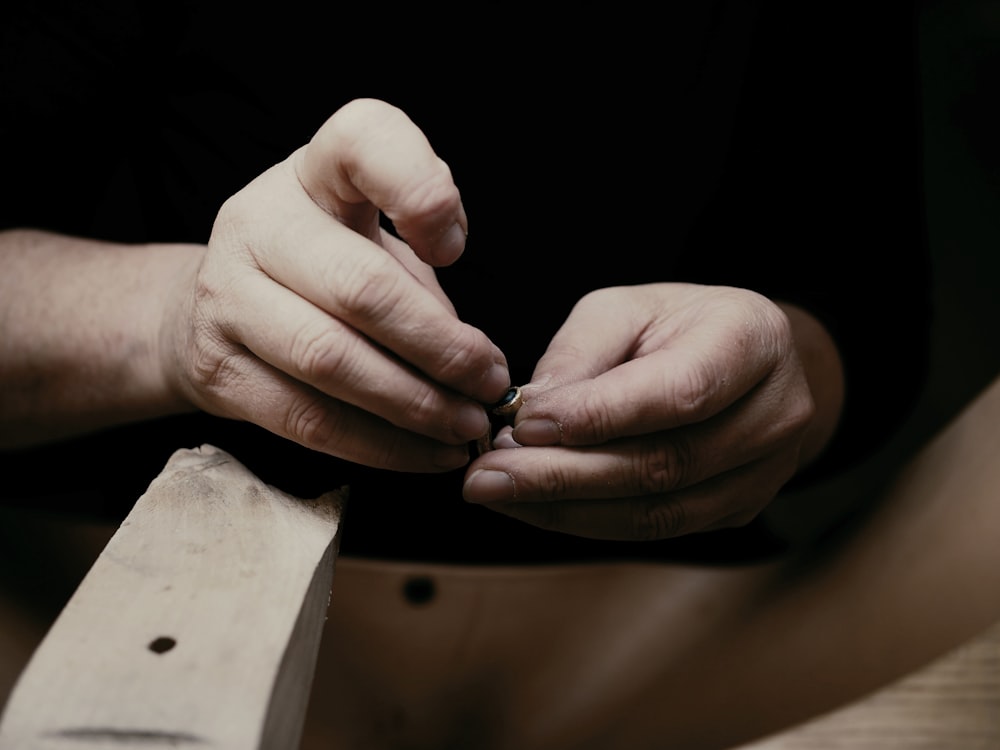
422 406
432 196
599 417
458 353
366 288
234 221
213 363
801 412
229 215
214 370
318 352
774 320
208 286
662 464
690 395
796 414
312 422
551 484
767 333
658 519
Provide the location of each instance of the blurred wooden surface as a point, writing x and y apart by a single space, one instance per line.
951 704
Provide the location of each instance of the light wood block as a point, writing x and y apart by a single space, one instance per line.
197 626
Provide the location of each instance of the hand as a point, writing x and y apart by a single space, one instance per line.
662 410
305 317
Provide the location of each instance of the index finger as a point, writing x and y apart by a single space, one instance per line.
606 375
356 282
660 391
370 157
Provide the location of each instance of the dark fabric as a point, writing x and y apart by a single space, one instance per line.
773 146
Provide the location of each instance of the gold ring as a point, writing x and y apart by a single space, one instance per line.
507 406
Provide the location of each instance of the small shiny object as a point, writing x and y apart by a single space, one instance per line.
506 408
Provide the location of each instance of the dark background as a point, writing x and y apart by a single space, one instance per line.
959 51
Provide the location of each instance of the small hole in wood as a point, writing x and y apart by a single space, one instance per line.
419 590
162 644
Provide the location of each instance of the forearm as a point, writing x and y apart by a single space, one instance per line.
80 324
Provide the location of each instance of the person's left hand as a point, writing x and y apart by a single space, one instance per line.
661 410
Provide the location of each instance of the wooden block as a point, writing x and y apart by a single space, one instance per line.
197 626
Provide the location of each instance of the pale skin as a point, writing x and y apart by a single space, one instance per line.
657 410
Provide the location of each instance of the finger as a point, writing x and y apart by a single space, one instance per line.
421 271
248 389
505 439
589 389
659 463
356 281
314 348
664 390
597 336
705 507
370 155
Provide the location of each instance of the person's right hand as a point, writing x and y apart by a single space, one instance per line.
305 317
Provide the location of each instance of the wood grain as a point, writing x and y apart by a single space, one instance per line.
197 626
952 703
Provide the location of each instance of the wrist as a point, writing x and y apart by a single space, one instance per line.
824 372
170 322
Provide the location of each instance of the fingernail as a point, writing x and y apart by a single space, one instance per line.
505 439
496 380
470 421
450 246
450 456
485 486
538 432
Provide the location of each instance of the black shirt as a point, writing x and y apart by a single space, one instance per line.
773 146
